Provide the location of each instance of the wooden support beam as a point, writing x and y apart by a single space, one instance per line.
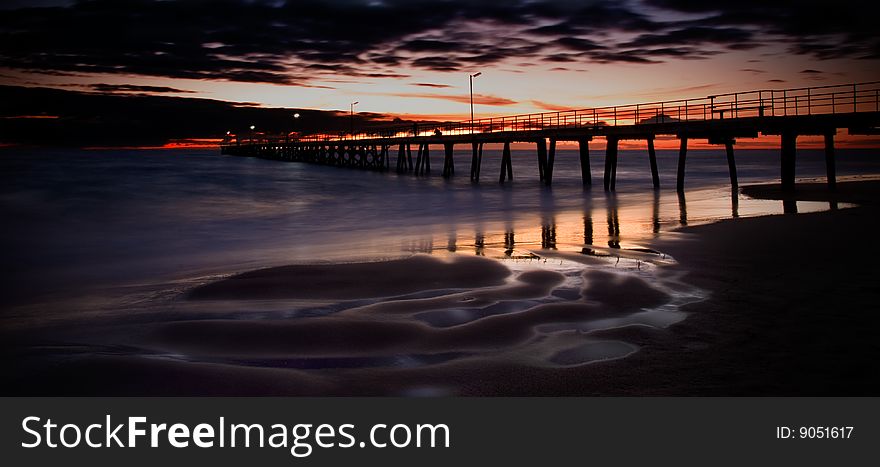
652 157
551 159
734 202
542 158
448 161
476 160
473 160
731 163
409 162
788 157
830 169
506 165
682 208
418 168
584 149
479 161
610 164
426 159
682 159
401 159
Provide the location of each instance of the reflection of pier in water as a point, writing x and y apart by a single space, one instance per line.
557 231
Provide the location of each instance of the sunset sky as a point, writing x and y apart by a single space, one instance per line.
412 58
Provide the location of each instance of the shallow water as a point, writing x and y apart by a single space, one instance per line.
119 237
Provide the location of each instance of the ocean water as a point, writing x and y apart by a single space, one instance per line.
93 234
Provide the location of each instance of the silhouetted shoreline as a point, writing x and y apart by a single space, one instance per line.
794 300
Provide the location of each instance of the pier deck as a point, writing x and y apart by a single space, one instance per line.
720 119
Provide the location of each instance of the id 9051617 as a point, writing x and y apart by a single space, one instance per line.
814 432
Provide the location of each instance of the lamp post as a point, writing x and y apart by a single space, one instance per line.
472 96
252 133
351 119
295 119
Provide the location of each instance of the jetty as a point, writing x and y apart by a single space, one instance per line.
721 119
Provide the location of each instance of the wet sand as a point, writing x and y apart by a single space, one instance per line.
354 280
792 311
795 302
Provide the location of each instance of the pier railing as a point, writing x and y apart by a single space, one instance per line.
849 98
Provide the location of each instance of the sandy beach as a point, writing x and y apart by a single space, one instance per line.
791 306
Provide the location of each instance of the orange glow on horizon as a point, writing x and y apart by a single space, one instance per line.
194 143
31 117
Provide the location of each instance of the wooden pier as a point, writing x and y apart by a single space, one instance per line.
720 119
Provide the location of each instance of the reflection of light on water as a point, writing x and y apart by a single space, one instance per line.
579 348
616 222
566 344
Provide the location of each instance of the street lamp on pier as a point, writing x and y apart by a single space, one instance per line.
295 120
472 96
351 119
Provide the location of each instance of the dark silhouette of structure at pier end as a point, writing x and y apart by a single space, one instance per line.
720 119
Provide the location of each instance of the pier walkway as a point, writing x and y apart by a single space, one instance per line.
720 119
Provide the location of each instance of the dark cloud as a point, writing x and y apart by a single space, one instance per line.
842 29
71 118
624 57
578 44
431 85
730 37
563 58
225 40
814 75
297 42
437 63
430 45
131 88
549 106
480 99
682 52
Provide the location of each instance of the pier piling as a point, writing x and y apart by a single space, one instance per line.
788 157
830 169
584 152
551 159
610 164
448 161
506 165
541 145
731 162
682 159
652 157
476 161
